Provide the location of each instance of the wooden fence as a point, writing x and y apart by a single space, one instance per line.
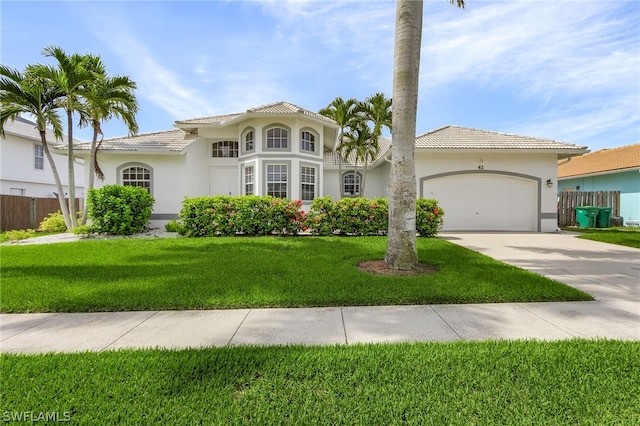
18 212
569 200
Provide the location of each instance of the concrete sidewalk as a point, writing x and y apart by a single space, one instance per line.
611 273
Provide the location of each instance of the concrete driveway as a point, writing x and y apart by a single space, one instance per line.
608 272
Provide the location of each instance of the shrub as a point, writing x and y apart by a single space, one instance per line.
54 222
120 210
82 230
174 226
429 217
244 215
362 216
20 234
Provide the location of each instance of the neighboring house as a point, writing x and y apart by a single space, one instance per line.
616 169
24 168
483 180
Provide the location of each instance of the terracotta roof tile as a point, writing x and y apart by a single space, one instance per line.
605 160
455 137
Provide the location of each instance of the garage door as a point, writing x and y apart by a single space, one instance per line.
485 202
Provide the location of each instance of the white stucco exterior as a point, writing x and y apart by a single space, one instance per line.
19 174
485 180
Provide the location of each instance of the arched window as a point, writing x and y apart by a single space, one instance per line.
249 141
351 184
277 138
224 149
139 175
307 141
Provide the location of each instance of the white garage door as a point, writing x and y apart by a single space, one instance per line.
485 202
224 181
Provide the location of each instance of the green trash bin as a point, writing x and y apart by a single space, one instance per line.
604 217
586 216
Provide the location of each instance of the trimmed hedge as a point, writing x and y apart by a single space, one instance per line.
363 216
255 215
245 215
120 210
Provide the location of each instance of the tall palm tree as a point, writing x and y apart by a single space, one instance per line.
30 94
375 109
71 78
343 112
401 242
109 97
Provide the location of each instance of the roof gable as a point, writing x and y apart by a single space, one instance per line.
277 108
605 160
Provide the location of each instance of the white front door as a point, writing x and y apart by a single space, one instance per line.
224 180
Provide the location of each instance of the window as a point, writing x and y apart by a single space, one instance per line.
277 138
308 142
224 149
351 184
38 156
249 141
277 180
248 180
137 176
308 179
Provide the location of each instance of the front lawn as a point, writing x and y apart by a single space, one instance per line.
480 383
237 272
629 237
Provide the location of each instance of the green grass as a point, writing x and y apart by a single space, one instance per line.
482 383
198 273
629 237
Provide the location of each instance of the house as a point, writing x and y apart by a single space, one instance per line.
24 170
615 169
483 180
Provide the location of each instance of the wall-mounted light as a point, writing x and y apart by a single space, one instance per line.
549 183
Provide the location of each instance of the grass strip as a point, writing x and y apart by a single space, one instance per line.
200 273
494 382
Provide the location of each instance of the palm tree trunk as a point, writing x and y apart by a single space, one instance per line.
401 242
92 170
64 208
72 180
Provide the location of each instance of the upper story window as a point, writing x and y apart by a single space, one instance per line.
224 149
277 138
308 142
138 175
249 141
38 157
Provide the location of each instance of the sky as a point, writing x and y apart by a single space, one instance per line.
556 69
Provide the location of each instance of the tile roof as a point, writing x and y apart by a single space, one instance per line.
170 140
605 160
455 137
269 109
331 158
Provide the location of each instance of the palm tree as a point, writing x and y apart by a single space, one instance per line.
357 142
108 97
376 109
401 242
70 77
343 112
30 94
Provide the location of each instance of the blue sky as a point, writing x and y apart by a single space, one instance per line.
557 69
